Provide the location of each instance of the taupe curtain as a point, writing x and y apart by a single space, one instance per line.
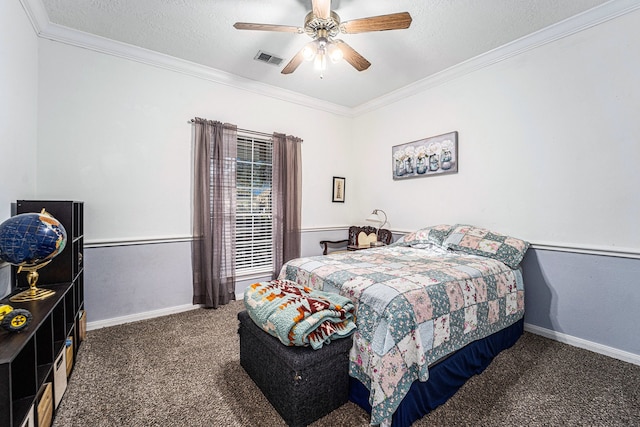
286 199
213 250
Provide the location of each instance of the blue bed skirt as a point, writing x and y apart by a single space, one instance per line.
445 377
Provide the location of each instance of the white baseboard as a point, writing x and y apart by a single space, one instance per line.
140 316
625 356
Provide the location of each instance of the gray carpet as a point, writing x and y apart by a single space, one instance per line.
184 370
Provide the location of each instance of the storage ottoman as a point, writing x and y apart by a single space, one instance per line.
302 384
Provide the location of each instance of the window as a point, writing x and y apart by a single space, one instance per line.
254 226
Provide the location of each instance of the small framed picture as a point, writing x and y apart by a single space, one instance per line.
338 189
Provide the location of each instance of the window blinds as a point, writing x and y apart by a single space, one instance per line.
254 223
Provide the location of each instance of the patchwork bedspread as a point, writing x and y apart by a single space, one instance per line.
413 307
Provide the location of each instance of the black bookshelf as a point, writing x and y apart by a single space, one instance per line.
27 357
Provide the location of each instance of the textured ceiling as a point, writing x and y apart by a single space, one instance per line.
443 33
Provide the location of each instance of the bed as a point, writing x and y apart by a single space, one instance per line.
440 297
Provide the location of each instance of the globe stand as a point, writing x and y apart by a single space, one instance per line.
33 293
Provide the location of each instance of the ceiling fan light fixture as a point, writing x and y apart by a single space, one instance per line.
320 62
308 53
335 53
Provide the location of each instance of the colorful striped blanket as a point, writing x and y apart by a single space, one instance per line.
298 315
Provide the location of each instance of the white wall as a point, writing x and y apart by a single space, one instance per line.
18 106
120 128
548 144
18 112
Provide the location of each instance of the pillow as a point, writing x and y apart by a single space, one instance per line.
480 241
366 240
434 235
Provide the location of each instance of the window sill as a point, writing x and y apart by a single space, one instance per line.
253 275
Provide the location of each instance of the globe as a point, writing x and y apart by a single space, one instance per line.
30 241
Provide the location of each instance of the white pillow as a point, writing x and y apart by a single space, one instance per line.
366 240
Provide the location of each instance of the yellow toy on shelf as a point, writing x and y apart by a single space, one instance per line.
14 320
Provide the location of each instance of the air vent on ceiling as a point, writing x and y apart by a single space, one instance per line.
268 58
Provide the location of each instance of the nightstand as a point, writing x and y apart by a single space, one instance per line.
360 247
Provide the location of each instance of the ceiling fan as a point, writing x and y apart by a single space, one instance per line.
323 25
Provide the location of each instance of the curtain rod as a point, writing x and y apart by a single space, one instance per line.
252 132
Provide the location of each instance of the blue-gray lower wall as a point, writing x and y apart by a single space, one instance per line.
126 280
594 298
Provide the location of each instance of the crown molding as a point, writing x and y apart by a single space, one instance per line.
44 28
569 26
48 30
36 13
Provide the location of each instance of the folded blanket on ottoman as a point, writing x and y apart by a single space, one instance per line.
298 315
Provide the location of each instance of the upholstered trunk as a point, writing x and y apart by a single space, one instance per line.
302 384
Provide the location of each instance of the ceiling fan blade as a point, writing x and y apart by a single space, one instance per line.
352 57
267 27
294 63
321 8
394 21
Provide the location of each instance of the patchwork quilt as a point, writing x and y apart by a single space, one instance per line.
298 315
413 307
